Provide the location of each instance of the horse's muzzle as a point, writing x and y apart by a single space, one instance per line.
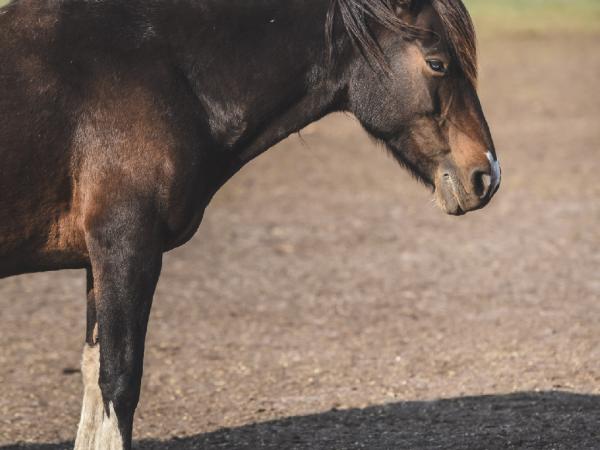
460 191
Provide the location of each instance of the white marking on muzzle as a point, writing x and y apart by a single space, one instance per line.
496 172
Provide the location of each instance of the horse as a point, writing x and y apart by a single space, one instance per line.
122 119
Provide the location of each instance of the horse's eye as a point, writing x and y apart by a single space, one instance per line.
436 65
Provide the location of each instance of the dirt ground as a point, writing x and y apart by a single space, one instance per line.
327 304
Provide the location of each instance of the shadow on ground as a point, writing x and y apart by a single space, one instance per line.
545 420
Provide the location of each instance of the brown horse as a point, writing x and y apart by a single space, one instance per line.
121 119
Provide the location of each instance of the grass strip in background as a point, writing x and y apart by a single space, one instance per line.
535 16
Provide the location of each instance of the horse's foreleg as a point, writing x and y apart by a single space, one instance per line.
126 258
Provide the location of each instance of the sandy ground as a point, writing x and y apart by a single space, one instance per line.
327 304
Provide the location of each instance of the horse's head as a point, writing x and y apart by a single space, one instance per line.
416 91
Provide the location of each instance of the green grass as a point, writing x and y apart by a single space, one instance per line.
535 15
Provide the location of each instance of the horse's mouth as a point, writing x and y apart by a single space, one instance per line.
447 197
452 197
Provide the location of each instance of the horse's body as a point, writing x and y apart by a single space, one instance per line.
111 85
119 120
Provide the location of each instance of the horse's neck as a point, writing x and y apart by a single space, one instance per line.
258 70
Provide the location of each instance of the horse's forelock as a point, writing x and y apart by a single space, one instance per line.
455 19
356 13
460 33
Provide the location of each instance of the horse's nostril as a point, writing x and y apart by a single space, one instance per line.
482 181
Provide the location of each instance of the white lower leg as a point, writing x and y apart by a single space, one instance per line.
96 431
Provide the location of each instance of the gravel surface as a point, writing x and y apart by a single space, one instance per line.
327 304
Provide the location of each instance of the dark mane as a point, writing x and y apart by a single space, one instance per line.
356 14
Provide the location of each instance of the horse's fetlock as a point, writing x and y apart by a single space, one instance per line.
122 392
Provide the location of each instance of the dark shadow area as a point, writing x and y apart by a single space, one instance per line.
545 420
